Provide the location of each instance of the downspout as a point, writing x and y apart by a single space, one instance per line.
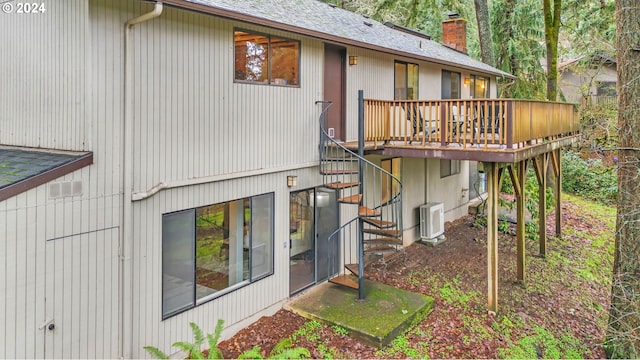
126 228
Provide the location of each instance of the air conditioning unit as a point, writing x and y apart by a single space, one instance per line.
432 222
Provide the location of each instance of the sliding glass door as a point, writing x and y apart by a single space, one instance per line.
313 216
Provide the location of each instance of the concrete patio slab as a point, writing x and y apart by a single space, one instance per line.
385 313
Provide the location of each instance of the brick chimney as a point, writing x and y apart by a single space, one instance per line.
454 33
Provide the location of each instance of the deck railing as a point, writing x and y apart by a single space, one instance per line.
502 123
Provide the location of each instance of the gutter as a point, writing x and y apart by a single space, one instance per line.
126 226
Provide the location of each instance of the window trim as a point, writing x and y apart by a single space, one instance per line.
230 289
268 82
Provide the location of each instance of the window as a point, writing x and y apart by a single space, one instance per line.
449 167
606 88
214 249
450 85
406 81
390 188
479 87
266 59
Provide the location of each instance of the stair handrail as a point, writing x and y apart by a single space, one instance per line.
324 135
325 139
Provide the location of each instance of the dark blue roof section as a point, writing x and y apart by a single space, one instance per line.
18 165
334 22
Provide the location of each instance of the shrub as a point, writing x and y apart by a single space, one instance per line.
589 178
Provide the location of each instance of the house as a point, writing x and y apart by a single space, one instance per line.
588 79
165 162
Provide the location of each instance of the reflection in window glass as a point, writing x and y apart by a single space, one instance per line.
222 244
266 59
177 261
406 81
479 87
455 85
389 187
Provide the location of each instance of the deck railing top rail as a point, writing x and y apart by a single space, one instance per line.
502 123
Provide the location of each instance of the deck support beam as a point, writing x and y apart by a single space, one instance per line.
519 179
541 163
493 186
557 170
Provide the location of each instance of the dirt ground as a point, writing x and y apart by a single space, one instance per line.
460 326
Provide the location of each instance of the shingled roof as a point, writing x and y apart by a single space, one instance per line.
324 21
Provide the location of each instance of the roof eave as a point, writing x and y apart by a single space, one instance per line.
233 15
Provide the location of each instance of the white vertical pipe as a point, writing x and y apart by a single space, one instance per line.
126 227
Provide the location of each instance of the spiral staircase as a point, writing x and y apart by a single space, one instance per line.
372 196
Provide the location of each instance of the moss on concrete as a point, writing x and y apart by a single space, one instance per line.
385 313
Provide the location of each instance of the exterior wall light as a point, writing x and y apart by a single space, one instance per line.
292 180
353 60
466 81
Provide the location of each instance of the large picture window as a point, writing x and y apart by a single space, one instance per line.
211 250
266 59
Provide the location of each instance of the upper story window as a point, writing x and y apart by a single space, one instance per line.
406 81
479 87
266 59
450 85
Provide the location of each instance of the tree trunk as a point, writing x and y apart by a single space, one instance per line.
552 10
484 32
623 334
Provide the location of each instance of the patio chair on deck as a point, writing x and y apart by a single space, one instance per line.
415 118
488 119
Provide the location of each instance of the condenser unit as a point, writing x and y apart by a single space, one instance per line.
432 222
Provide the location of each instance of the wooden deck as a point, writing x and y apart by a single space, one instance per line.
493 130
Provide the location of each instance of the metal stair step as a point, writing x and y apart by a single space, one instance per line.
384 241
383 232
380 249
338 171
381 224
353 199
345 280
341 185
366 212
353 268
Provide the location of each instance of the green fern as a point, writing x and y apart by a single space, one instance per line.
214 352
156 353
254 353
194 349
295 353
281 346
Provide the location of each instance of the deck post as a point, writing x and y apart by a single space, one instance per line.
541 164
361 192
518 179
557 169
493 187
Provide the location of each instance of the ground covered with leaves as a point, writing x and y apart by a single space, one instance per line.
559 312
